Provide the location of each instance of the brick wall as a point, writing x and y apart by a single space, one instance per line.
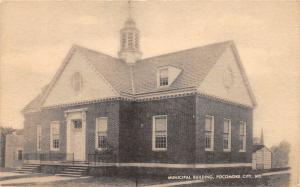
220 110
136 130
30 123
130 129
108 109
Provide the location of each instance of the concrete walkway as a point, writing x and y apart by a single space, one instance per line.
10 174
176 183
37 180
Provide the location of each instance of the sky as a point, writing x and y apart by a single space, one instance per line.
36 36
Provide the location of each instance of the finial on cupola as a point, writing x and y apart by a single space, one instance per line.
129 40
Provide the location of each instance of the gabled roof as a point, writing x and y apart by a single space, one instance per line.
195 64
141 78
257 147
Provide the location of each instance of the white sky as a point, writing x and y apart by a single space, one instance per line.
36 36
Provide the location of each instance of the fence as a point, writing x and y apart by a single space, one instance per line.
49 156
96 158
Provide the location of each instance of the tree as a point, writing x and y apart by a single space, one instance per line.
3 132
280 157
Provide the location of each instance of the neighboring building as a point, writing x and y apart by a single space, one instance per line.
177 110
2 149
261 157
14 149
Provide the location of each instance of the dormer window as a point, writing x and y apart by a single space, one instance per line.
166 75
163 77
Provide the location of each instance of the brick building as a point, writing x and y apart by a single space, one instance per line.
191 108
14 149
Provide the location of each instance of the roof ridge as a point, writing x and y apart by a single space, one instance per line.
93 51
189 49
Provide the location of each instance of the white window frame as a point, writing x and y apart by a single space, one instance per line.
213 133
244 137
229 135
154 148
96 133
38 137
51 136
158 77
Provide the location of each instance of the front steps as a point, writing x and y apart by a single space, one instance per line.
29 168
74 171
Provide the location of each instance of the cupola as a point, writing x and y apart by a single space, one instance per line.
129 41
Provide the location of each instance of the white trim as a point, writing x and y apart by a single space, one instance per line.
70 115
77 110
38 141
229 135
245 136
96 132
158 77
177 183
166 165
51 136
153 133
213 133
100 75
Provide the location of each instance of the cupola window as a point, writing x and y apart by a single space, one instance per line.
130 40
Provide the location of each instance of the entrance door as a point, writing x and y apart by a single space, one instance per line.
76 135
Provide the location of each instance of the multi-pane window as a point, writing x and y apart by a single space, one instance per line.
227 135
130 41
163 77
38 137
101 133
136 40
123 40
209 133
159 133
55 135
242 136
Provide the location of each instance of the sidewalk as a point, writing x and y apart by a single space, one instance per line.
34 180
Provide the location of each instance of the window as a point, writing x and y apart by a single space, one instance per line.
38 137
101 133
163 77
136 40
159 133
54 136
20 155
242 136
124 40
77 123
76 81
209 133
130 41
227 135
